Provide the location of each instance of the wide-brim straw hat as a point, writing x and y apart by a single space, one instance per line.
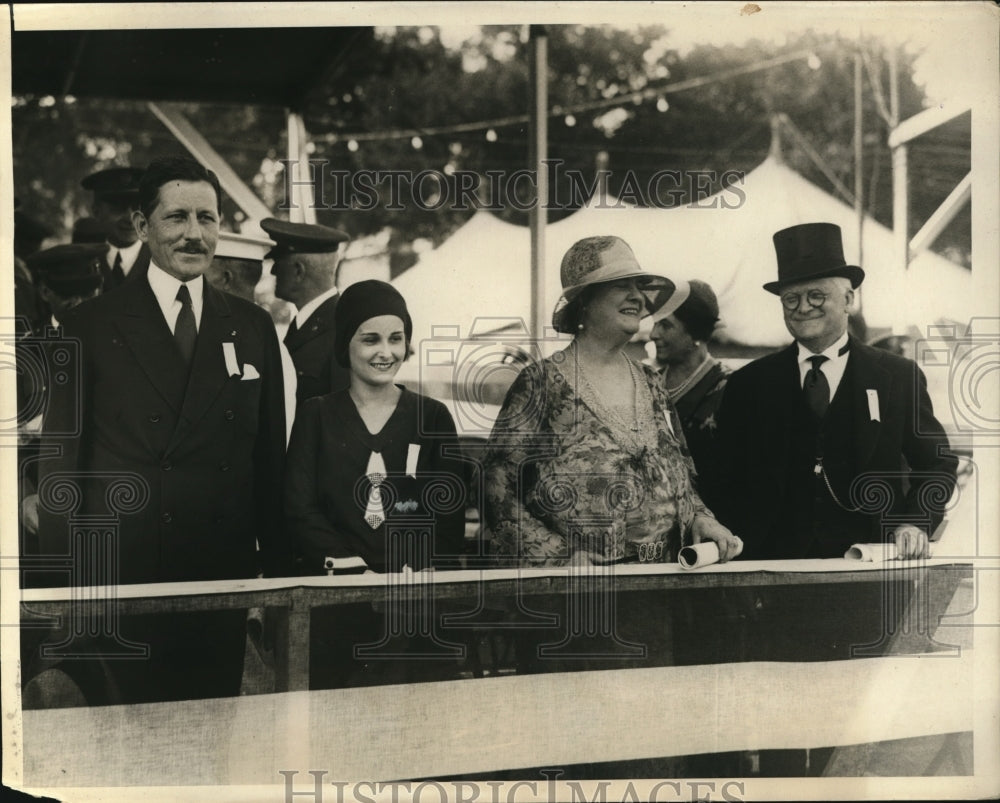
601 259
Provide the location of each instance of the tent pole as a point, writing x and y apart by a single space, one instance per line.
301 189
859 207
900 200
539 138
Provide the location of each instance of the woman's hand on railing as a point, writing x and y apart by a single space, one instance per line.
706 528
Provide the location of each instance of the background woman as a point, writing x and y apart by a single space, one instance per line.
370 482
585 464
693 378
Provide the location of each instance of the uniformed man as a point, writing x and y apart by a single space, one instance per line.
236 269
116 194
306 257
68 275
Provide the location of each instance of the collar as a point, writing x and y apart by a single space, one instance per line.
308 309
165 288
836 351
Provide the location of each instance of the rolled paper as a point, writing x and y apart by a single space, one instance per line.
871 553
704 554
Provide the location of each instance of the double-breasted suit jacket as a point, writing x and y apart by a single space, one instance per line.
311 348
884 457
204 450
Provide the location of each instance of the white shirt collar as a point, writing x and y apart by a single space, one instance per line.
832 352
165 289
129 255
308 309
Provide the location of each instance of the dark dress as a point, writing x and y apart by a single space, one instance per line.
697 409
326 495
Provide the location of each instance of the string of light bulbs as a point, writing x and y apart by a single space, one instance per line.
636 97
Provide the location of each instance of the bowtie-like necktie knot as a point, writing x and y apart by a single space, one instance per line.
816 387
185 331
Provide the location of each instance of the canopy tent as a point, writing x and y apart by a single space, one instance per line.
218 64
482 272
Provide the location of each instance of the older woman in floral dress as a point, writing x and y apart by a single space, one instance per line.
587 463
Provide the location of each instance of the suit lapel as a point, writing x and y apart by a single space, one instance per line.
145 332
319 323
868 375
208 365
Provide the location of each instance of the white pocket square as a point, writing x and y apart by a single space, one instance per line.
249 372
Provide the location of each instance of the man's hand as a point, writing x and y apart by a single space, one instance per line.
705 528
911 542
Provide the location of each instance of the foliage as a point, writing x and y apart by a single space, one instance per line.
409 80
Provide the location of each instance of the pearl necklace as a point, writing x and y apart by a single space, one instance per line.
698 372
634 427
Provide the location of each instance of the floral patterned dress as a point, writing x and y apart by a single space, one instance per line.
565 472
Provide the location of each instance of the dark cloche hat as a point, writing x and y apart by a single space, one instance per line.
70 270
360 302
301 238
811 251
115 182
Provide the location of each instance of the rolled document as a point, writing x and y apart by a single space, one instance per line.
704 554
871 553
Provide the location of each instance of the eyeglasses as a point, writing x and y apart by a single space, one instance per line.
816 298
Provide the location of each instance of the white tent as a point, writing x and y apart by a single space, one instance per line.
479 279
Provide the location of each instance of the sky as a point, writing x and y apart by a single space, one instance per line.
934 31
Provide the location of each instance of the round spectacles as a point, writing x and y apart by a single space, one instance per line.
816 298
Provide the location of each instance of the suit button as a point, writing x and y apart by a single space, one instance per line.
223 466
166 465
155 418
230 415
166 518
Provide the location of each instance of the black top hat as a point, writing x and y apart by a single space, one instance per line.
70 270
115 182
301 238
811 251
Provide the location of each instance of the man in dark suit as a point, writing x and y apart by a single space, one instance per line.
180 416
828 442
116 193
306 257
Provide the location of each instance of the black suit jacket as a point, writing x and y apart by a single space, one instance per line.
901 458
187 468
311 348
139 269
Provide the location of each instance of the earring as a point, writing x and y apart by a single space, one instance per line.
579 326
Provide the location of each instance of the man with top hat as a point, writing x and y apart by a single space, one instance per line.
116 193
306 257
176 432
805 431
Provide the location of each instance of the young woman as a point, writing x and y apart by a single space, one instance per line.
373 482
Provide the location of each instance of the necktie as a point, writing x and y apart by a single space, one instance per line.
185 332
117 271
374 512
816 387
